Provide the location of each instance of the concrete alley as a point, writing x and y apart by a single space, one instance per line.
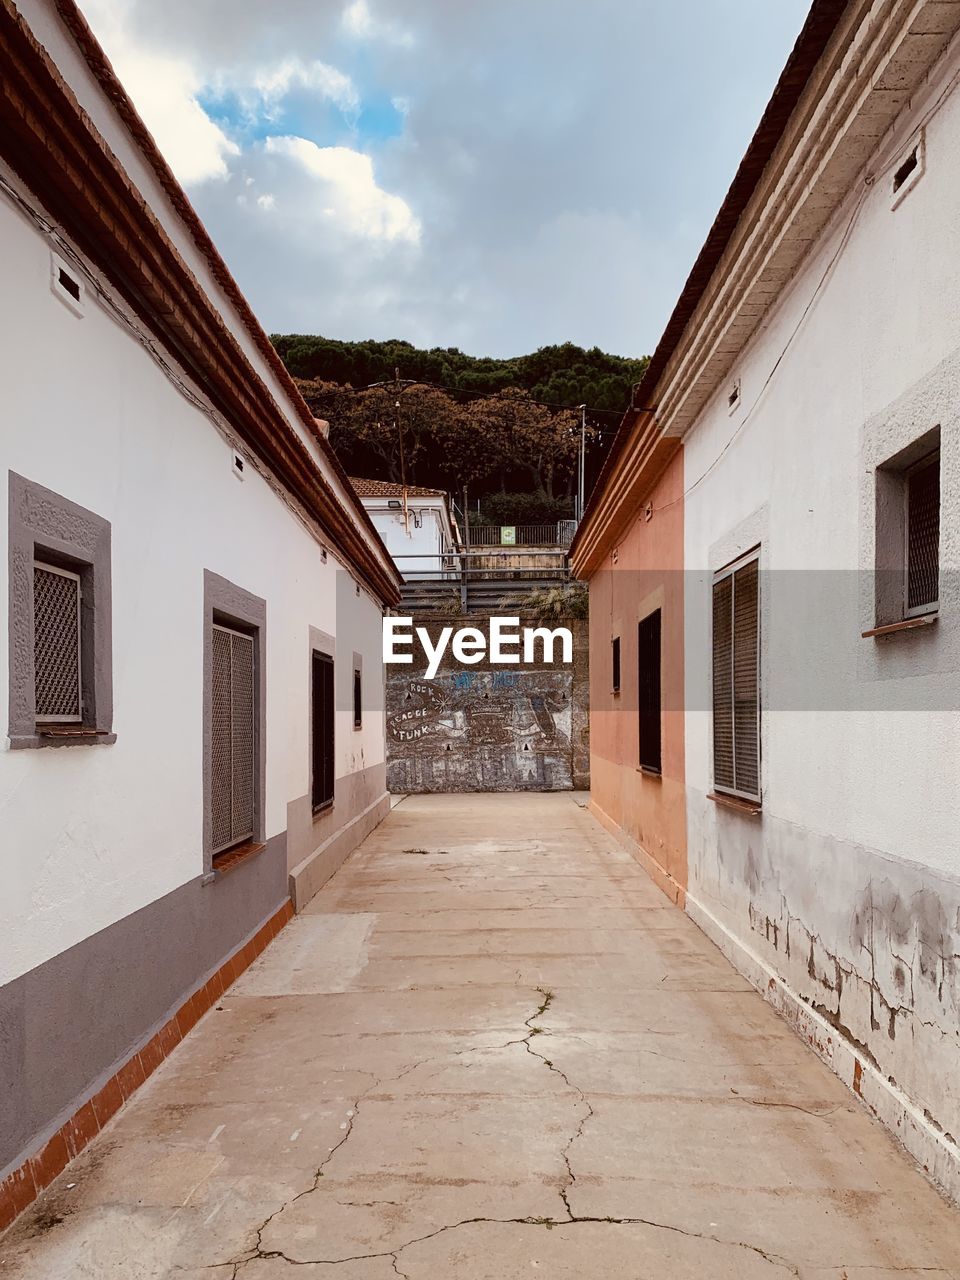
490 1048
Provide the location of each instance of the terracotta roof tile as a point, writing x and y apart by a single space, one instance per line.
387 489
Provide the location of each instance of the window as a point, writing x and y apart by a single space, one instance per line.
233 740
615 664
234 715
59 645
908 533
357 698
736 679
322 730
922 497
649 699
56 645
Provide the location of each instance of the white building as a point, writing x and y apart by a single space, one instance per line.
799 427
415 524
192 646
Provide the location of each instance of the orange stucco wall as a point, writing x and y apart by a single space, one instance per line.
647 574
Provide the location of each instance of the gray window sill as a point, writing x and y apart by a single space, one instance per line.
33 741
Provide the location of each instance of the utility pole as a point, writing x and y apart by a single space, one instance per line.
583 462
403 468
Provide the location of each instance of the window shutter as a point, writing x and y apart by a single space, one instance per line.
56 644
723 775
649 685
736 680
323 717
923 535
233 728
746 701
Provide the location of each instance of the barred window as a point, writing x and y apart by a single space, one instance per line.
736 679
615 664
922 489
59 640
233 728
58 684
357 698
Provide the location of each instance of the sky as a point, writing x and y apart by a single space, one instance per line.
493 175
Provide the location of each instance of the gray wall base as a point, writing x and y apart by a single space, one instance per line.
66 1025
309 876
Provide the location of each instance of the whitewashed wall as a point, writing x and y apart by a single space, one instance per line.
90 834
414 550
848 887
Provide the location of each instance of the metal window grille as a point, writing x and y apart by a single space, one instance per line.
649 685
923 536
233 731
615 663
323 726
56 645
736 680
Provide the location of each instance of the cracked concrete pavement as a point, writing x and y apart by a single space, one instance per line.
490 1049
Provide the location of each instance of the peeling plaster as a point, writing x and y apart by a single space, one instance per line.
871 944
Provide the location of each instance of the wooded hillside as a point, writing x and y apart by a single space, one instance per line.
509 428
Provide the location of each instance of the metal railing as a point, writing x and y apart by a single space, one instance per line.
558 534
480 575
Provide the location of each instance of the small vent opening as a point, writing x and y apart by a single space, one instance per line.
905 170
67 282
733 396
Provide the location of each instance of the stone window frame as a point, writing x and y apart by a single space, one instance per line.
230 605
891 563
44 525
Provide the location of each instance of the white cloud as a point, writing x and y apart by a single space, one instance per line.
271 84
347 190
194 146
358 21
164 92
267 201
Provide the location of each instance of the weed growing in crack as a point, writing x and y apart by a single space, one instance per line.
547 1002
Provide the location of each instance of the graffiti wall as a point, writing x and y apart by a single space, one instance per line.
486 727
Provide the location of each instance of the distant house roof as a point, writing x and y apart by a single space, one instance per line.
387 489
